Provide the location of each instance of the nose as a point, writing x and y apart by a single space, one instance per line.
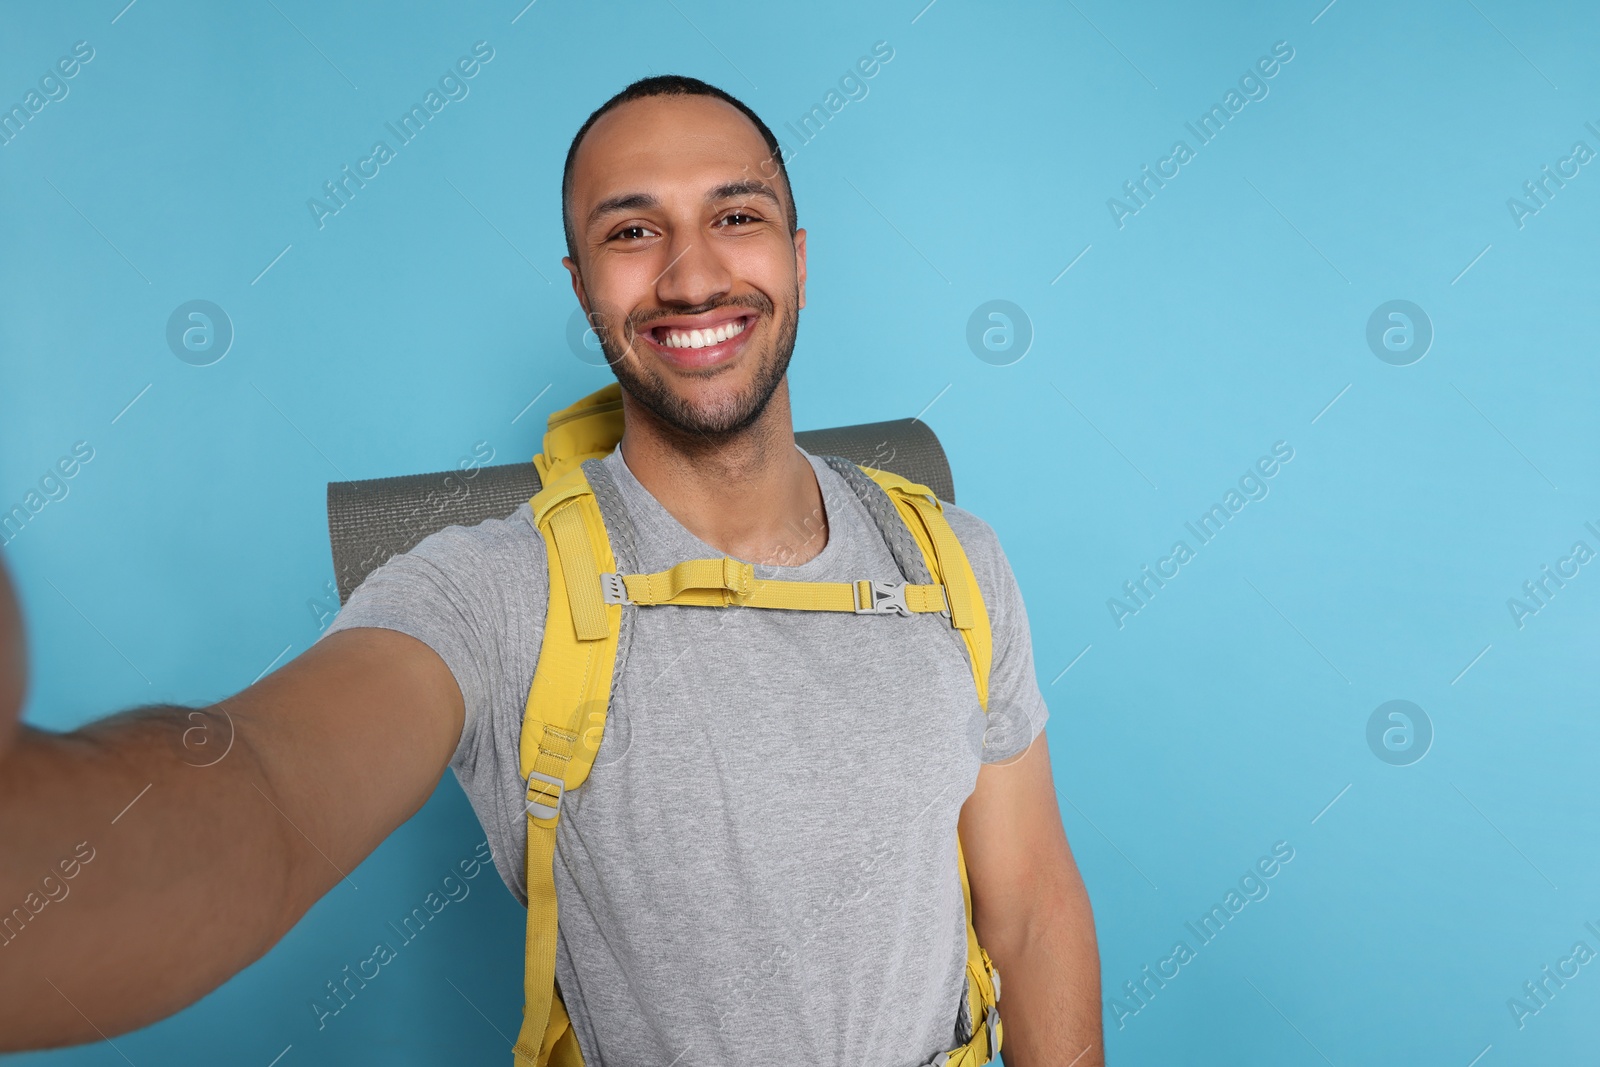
694 274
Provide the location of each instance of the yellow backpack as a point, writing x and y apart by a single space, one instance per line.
565 717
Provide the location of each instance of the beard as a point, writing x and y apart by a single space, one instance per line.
644 382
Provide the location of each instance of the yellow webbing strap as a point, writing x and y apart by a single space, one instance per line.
729 582
583 596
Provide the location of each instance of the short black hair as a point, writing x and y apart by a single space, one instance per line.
668 85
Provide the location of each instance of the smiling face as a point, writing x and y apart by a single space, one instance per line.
685 261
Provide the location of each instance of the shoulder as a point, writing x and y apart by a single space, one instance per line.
981 544
512 542
475 569
970 527
1002 595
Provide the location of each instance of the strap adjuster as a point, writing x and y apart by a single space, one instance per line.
548 807
883 597
612 588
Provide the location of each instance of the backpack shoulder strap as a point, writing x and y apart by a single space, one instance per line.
561 730
902 546
922 513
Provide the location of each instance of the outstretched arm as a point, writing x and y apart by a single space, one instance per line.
196 838
1032 915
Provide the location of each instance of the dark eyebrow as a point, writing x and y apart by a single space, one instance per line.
739 190
625 202
742 190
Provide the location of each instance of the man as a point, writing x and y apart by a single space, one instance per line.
760 869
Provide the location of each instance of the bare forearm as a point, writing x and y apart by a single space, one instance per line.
1050 984
140 867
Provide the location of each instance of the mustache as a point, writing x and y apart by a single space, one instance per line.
640 322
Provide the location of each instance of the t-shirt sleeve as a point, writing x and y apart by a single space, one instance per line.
1017 710
453 592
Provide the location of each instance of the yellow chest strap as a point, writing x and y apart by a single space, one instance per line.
729 582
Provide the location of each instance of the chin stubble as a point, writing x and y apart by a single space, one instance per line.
646 385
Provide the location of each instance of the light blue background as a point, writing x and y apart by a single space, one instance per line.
1223 317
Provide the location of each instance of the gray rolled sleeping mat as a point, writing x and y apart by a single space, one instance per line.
375 518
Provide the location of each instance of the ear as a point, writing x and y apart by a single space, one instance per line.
577 282
800 264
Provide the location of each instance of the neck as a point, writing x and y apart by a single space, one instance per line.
750 495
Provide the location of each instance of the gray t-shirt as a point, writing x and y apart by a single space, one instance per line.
761 868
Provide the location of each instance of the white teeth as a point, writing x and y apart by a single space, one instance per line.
703 338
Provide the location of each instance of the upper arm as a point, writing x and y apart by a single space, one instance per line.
1015 847
349 740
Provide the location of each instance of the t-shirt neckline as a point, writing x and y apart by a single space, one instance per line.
832 503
